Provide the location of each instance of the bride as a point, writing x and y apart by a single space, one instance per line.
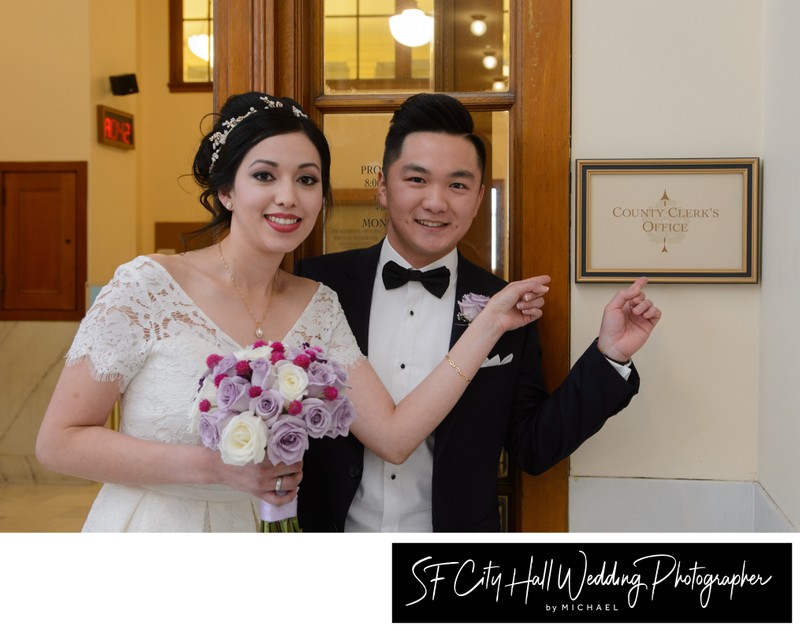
264 170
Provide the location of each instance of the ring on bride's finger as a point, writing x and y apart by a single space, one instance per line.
278 482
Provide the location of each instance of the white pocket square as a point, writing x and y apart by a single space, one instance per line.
496 361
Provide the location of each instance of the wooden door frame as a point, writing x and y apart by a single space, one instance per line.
251 34
541 131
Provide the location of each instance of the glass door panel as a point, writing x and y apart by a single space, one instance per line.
361 54
403 46
357 220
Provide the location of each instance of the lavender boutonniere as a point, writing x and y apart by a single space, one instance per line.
470 306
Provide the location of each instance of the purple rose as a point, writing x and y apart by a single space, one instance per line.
226 366
341 374
288 440
211 426
263 376
292 352
317 417
232 394
470 306
320 376
268 406
342 415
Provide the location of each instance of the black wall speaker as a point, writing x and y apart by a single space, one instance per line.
124 84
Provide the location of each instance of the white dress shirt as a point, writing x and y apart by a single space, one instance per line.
409 335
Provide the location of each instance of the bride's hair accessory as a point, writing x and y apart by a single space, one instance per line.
218 138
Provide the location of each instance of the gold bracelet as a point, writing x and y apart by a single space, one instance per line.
458 370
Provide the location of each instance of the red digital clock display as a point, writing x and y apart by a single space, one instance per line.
114 127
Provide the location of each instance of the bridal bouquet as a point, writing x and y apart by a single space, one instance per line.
267 401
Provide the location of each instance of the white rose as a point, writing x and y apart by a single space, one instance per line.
251 353
292 381
207 391
244 440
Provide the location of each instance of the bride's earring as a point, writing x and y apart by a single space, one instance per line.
229 205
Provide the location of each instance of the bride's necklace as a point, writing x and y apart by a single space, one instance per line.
259 332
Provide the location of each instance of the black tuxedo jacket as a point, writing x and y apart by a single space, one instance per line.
504 406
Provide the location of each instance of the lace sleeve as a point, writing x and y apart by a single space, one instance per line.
326 323
115 334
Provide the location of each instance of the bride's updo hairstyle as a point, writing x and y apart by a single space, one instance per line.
244 121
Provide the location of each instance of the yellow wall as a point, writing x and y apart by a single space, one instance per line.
113 172
46 108
56 60
170 132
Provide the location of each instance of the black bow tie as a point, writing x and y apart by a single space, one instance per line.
435 281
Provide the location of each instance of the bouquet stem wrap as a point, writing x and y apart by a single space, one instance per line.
279 518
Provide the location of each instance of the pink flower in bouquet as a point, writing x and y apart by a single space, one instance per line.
294 408
304 361
213 359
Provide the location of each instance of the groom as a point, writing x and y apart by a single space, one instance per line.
405 322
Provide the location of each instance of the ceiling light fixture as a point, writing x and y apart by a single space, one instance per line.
412 28
202 46
478 25
489 60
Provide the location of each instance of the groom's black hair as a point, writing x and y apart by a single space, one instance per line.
430 112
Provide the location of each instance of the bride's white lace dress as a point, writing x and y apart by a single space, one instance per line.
144 330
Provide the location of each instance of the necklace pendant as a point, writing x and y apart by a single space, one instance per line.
259 332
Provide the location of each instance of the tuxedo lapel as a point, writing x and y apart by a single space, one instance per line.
356 294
